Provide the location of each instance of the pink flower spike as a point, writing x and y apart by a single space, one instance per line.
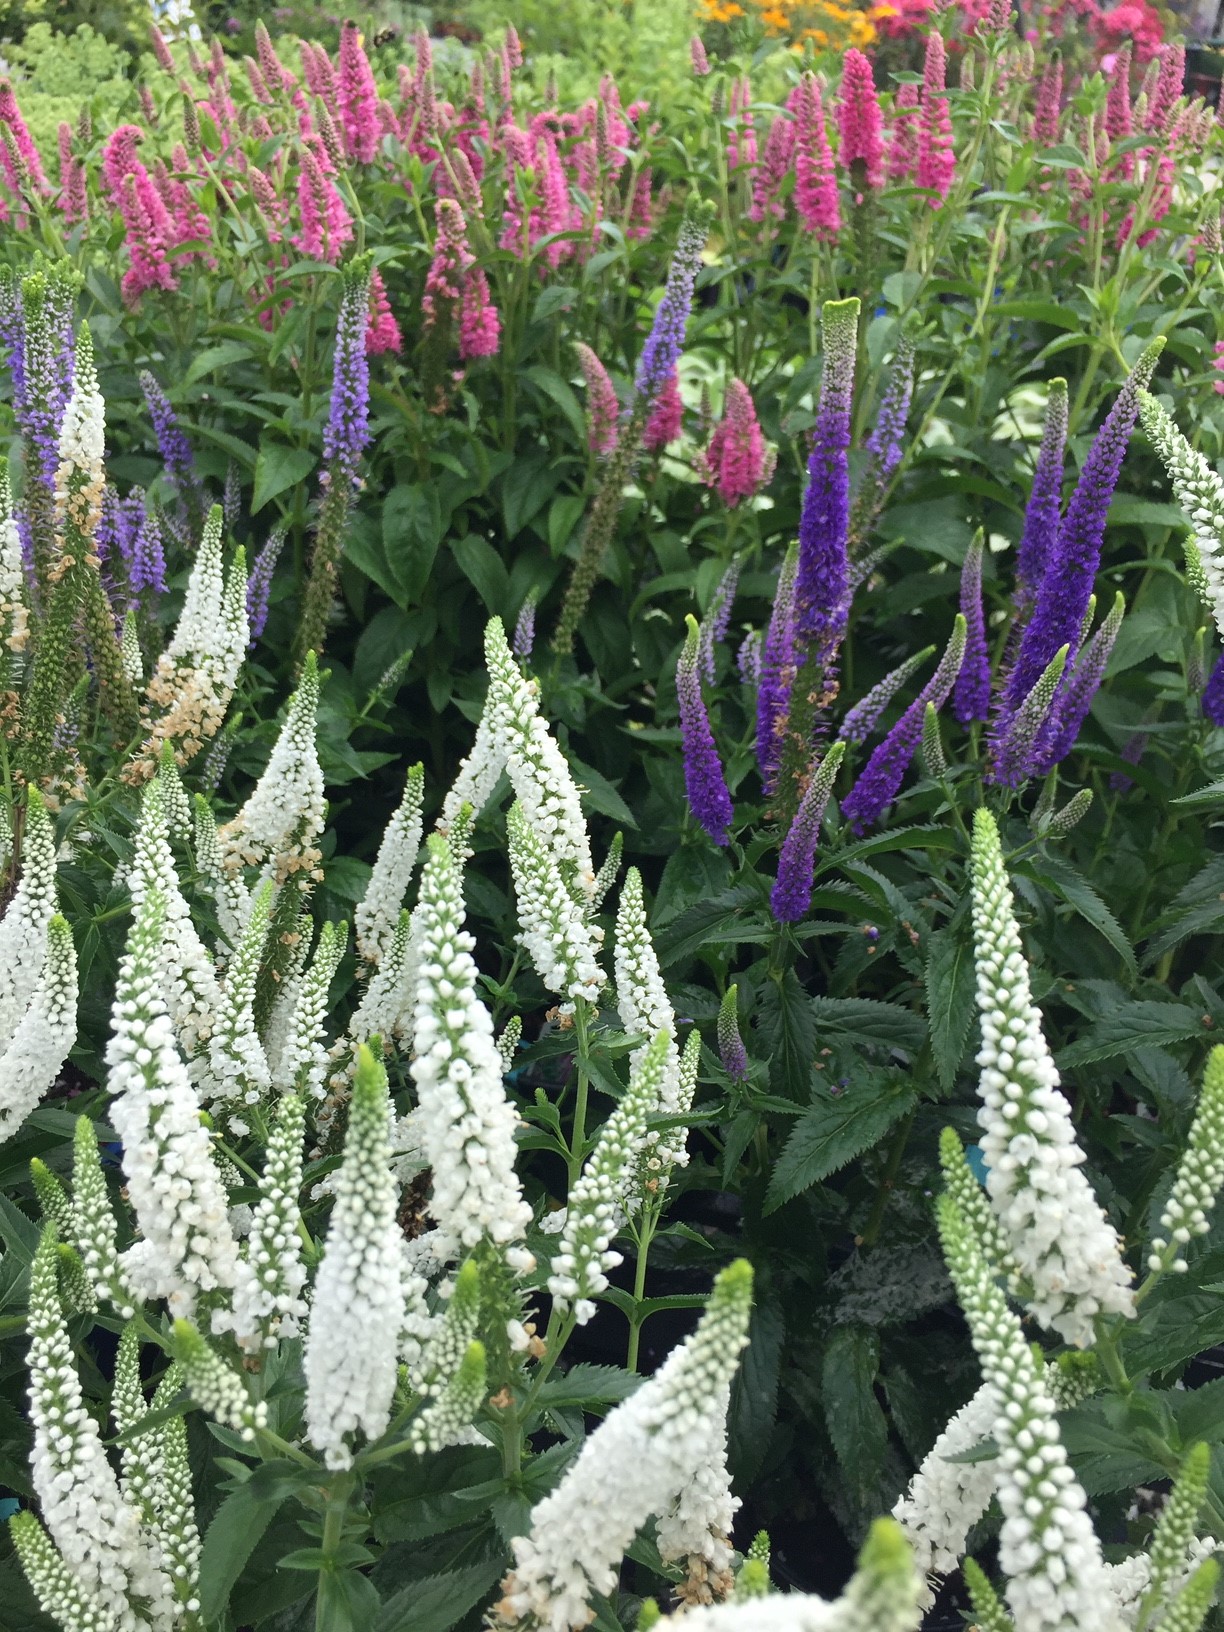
603 409
697 51
479 322
936 159
862 126
903 135
358 97
772 171
382 331
1119 121
666 417
816 197
1047 103
10 115
737 461
1169 84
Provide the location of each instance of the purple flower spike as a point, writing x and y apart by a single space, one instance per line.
860 720
147 569
731 1050
1015 736
776 674
1213 693
886 443
1066 584
661 353
1045 499
347 432
822 587
110 523
881 777
718 617
524 629
703 775
1074 697
259 584
175 449
792 892
748 658
972 699
130 519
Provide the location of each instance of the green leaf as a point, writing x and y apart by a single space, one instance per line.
1197 907
853 1415
526 489
230 1540
599 794
731 916
437 1602
863 1020
754 1393
786 1036
278 468
484 569
950 999
587 1385
1146 1023
412 529
561 392
833 1131
1060 877
214 357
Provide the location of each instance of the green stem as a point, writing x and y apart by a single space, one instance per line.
889 1178
340 1490
578 1138
646 1231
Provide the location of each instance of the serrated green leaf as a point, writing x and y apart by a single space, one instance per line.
437 1602
229 1541
587 1384
950 999
853 1415
1060 877
863 1020
833 1131
1146 1023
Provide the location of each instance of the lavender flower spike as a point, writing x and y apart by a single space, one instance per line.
172 443
880 778
259 584
1017 735
1213 693
792 891
347 432
972 700
860 720
885 444
524 629
703 776
731 1050
1074 697
661 353
147 565
1067 581
822 587
776 674
718 617
1045 498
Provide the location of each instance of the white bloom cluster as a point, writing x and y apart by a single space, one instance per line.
1200 492
23 929
465 1121
59 1593
632 1467
379 907
386 1004
229 891
1056 1579
597 1201
281 821
237 1073
357 1311
478 774
1200 1173
536 766
157 1471
96 1530
450 1412
452 1336
45 1036
962 1185
696 1530
644 1008
93 1222
194 679
508 1042
1130 1581
215 1386
553 928
14 615
187 976
268 1302
946 1498
606 876
172 1180
301 1064
80 476
1068 1254
881 1596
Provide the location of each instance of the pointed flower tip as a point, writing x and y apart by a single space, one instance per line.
734 1284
